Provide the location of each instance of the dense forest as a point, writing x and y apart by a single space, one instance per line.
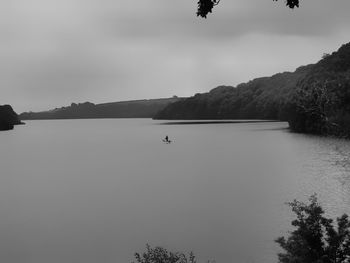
123 109
313 99
8 118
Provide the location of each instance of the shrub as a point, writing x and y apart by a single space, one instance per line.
161 255
315 239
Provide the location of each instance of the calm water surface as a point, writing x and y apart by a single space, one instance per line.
96 191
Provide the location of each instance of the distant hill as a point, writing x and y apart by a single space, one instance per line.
8 118
313 99
122 109
261 98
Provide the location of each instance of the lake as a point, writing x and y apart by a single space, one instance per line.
96 191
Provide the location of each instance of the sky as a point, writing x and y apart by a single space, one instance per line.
55 52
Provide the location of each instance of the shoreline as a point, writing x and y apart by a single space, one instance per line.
183 122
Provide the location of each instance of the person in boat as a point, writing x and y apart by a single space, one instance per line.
167 139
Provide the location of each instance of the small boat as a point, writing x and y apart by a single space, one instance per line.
166 141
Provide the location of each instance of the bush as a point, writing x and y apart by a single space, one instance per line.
161 255
315 239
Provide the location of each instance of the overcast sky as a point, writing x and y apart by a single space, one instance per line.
54 52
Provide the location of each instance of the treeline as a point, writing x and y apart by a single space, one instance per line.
8 118
313 99
261 98
123 109
321 103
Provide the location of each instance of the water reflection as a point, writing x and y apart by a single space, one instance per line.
99 190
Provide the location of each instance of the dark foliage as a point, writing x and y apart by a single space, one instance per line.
315 238
161 255
206 6
8 118
291 3
313 99
262 98
322 98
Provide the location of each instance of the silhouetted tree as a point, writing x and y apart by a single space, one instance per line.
314 100
161 255
206 6
315 239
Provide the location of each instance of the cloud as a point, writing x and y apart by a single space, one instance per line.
58 51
